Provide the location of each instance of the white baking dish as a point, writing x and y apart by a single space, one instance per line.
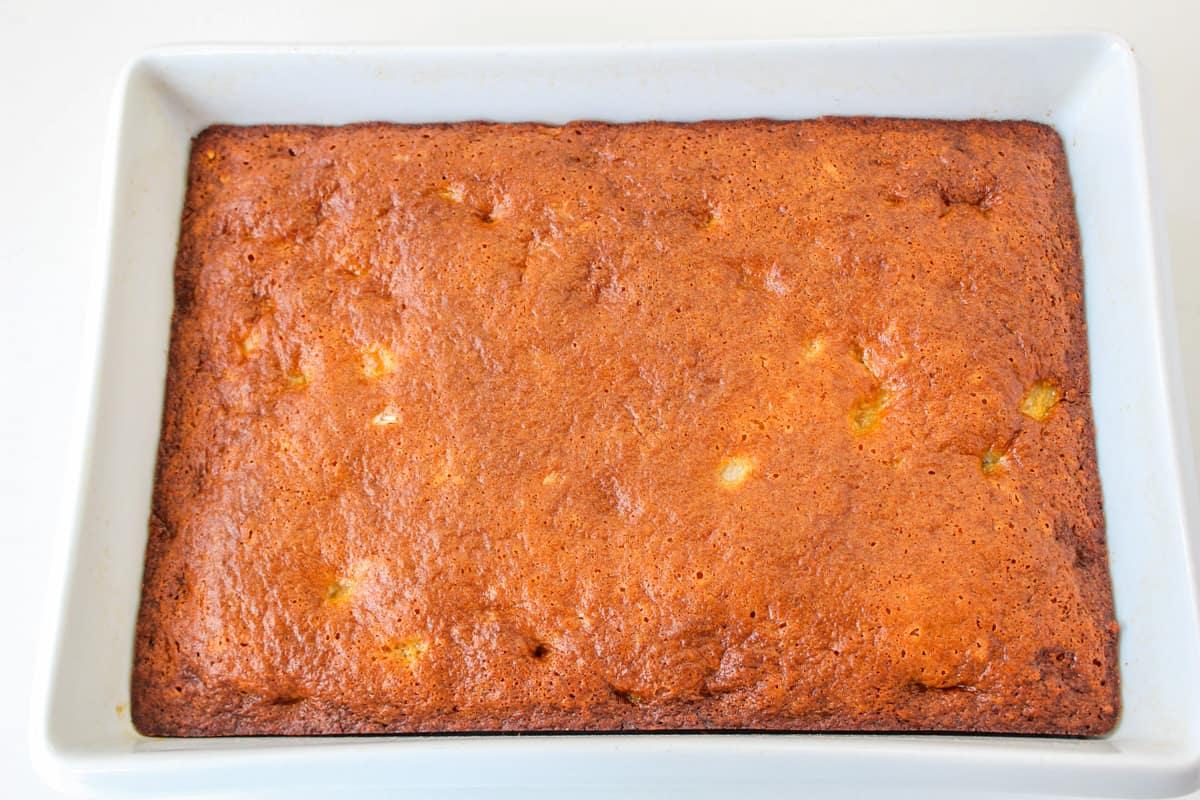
1084 84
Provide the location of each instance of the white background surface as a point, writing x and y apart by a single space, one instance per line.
60 63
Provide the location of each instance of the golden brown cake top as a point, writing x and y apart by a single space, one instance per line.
727 425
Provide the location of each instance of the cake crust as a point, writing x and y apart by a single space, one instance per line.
728 425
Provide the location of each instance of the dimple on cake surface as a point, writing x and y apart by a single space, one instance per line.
725 425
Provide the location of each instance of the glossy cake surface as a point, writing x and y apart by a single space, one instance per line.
731 425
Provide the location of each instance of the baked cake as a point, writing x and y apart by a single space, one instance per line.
730 425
